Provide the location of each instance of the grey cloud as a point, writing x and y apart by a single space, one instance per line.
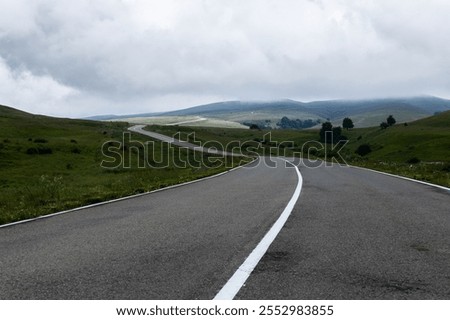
126 56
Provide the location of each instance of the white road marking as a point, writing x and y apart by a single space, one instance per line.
232 287
404 178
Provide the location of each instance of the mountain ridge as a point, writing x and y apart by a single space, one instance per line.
367 112
364 112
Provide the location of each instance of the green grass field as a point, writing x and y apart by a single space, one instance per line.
420 149
49 164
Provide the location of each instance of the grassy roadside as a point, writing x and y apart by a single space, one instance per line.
419 150
49 164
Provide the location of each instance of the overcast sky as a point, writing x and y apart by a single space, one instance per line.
86 57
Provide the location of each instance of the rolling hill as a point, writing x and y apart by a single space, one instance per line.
51 164
364 113
427 140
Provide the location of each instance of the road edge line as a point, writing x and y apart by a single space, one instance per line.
237 280
124 198
402 177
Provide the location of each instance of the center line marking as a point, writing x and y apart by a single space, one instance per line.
235 283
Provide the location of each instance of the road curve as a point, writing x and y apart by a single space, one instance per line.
353 234
181 243
184 144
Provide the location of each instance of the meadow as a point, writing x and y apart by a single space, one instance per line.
51 164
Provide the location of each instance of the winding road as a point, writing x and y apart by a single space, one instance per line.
184 144
352 234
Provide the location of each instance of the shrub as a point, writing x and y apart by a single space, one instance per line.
390 121
75 150
359 138
363 150
32 151
446 167
413 160
39 150
40 140
73 141
45 150
51 186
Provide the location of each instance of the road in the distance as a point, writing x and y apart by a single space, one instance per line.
181 243
356 234
184 144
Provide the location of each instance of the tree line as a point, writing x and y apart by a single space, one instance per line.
286 123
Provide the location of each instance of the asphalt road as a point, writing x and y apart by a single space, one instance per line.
184 144
353 234
181 243
356 234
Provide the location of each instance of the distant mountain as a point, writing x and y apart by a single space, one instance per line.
229 107
369 112
364 113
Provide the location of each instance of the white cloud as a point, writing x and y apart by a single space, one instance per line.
135 55
17 17
22 89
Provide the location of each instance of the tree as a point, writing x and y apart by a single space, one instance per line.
337 132
347 123
390 120
286 123
384 125
326 130
363 150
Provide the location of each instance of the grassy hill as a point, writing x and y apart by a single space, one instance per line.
419 150
427 139
52 164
